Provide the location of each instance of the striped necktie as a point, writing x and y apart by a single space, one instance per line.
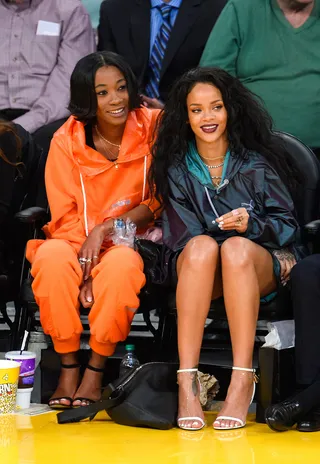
158 51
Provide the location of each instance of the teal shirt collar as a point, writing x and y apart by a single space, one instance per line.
198 168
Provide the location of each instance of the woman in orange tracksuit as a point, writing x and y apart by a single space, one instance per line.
96 171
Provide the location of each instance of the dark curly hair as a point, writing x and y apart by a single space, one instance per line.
83 98
249 128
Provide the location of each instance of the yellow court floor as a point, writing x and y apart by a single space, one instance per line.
40 440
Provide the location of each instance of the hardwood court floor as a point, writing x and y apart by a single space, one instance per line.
40 440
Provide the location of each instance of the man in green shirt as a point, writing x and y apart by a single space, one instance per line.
273 47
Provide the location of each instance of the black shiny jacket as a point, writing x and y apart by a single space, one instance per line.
251 183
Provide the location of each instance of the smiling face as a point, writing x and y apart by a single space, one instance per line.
207 114
112 96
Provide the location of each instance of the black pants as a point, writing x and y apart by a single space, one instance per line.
42 137
305 279
317 152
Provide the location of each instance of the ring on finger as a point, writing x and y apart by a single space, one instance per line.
96 257
82 260
89 260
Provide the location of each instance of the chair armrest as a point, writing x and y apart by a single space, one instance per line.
313 228
32 215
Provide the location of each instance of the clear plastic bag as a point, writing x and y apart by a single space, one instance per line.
281 335
124 232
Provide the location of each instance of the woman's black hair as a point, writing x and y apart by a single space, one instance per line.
83 98
249 128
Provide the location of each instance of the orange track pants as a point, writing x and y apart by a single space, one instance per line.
117 280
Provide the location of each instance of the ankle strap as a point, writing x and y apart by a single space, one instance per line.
187 370
94 369
243 369
70 366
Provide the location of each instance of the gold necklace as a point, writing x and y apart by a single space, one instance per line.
109 152
212 159
106 140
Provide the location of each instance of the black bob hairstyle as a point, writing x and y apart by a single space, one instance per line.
83 98
249 129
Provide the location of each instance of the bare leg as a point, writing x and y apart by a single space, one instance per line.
197 275
68 381
247 273
91 384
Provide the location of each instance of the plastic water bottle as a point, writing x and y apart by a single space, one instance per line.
119 228
129 362
124 232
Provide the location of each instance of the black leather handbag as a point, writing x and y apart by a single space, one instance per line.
153 257
147 397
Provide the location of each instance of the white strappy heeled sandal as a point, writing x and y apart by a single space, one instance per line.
190 418
236 419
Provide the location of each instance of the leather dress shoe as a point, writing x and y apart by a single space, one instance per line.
311 422
283 416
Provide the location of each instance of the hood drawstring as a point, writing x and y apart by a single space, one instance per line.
211 203
144 178
84 206
224 184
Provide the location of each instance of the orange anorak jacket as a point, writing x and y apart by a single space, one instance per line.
85 189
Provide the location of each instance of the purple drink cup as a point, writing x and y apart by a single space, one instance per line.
27 361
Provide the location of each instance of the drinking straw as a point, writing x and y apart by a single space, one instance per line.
26 333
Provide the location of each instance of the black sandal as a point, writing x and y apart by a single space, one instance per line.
59 406
87 400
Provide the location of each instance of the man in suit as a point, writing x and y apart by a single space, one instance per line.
160 39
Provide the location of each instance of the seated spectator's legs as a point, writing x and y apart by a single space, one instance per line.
199 280
117 281
304 407
57 278
305 278
247 274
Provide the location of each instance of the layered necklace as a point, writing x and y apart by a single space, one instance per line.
215 179
107 142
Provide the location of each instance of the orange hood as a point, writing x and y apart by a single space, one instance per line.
135 143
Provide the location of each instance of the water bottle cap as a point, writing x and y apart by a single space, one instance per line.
130 347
